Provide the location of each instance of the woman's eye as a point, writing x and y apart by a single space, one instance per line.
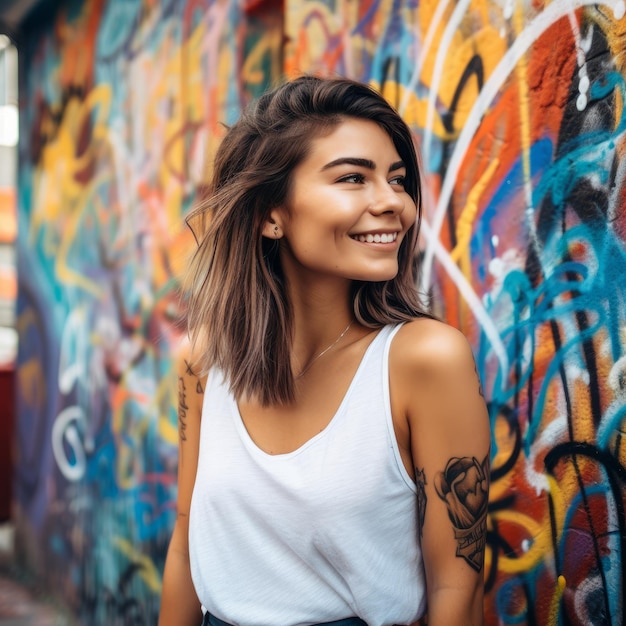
352 178
398 180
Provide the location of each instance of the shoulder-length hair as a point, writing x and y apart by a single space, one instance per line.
239 316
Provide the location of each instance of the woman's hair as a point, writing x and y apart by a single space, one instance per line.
239 316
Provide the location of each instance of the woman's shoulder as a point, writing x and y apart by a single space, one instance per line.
435 376
430 345
431 354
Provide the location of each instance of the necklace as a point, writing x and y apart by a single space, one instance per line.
325 350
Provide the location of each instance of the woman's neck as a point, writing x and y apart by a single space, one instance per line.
322 315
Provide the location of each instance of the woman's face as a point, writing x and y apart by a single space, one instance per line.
347 211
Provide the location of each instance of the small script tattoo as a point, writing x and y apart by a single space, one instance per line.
420 483
182 409
463 486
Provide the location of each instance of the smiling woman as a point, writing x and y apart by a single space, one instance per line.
329 425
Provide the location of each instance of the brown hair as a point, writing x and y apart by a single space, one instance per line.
239 316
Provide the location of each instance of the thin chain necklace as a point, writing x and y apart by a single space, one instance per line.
325 350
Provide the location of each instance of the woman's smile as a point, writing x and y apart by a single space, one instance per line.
384 238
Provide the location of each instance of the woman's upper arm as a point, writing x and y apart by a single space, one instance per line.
450 445
190 397
179 602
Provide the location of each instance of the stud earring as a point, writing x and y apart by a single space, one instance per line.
276 229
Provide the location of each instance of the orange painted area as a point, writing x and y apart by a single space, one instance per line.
550 69
8 284
8 215
78 39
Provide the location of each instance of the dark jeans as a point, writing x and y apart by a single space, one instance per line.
210 620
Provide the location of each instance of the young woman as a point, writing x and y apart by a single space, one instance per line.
334 440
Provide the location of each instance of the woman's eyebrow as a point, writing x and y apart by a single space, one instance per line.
367 163
398 165
358 162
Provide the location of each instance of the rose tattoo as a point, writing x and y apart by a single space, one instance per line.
463 486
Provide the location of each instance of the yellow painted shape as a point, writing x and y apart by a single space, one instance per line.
148 572
465 223
486 43
524 100
253 71
541 542
553 612
559 505
66 274
58 196
465 226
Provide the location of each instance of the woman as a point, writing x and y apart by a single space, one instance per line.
334 441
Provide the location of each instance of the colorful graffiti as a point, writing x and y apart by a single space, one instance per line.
120 101
519 112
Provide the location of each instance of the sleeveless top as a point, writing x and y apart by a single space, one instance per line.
322 533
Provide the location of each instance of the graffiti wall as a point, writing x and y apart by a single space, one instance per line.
119 103
518 111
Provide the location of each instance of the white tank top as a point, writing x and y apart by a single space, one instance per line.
322 533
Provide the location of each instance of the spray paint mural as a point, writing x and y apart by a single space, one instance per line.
518 109
119 102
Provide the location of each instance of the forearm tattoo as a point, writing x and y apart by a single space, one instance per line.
463 486
420 483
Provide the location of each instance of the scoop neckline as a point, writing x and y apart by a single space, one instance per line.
252 445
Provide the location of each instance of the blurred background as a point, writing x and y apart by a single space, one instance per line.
8 273
518 112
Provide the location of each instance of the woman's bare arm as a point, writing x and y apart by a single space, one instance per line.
179 603
450 446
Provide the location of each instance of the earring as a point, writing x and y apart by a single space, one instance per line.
276 229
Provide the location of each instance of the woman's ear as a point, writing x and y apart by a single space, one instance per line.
271 228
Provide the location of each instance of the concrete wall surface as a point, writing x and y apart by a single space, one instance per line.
518 110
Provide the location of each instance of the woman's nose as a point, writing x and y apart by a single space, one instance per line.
386 199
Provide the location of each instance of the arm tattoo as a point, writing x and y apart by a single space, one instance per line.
182 409
420 483
190 372
463 486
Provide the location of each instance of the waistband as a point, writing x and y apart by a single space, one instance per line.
211 620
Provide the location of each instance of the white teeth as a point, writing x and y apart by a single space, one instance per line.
384 238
